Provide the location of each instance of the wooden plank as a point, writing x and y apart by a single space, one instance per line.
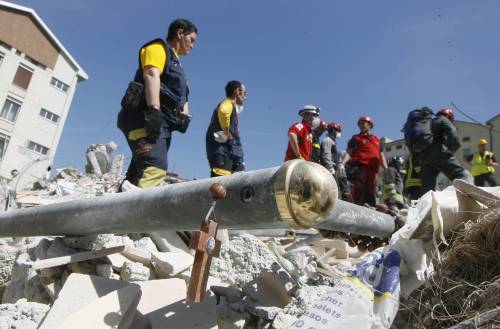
75 258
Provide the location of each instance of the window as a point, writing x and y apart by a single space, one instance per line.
23 77
4 142
466 139
399 147
10 109
59 84
2 55
388 148
35 147
49 115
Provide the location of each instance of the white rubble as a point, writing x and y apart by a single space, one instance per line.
22 315
241 260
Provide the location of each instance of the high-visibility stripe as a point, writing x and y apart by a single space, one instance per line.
151 177
136 134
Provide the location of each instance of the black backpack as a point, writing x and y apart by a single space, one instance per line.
417 129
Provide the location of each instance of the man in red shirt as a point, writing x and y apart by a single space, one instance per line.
364 151
300 134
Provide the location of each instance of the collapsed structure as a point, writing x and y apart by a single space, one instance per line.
97 263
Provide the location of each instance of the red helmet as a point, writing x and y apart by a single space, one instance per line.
447 113
322 125
334 126
367 119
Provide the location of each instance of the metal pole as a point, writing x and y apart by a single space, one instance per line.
297 194
351 218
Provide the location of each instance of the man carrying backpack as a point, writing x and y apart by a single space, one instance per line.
442 143
156 104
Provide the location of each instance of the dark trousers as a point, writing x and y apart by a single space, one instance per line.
146 153
413 193
481 180
435 161
364 186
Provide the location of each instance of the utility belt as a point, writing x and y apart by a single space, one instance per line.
135 100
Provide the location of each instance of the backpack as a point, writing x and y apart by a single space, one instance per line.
417 129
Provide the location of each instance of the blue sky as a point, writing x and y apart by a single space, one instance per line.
379 58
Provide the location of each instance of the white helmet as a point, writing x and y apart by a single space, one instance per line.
309 109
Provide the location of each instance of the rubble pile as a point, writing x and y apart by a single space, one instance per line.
319 279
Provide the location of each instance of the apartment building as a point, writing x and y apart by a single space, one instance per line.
469 134
38 78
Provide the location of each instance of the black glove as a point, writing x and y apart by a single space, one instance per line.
153 122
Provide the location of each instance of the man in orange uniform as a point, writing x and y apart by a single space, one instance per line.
300 134
364 151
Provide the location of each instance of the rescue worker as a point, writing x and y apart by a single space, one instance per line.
483 165
330 159
413 183
316 142
300 134
392 192
439 157
364 154
224 150
162 103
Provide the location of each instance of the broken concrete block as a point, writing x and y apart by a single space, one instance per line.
25 283
78 291
164 305
111 240
96 314
146 244
117 261
75 258
168 241
131 272
138 255
168 264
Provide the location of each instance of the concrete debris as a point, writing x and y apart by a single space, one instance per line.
241 260
22 315
98 158
131 272
168 264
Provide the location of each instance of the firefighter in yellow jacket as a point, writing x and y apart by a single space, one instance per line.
483 165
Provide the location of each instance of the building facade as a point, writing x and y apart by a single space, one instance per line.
469 134
38 78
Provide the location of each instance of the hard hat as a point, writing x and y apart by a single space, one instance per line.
322 125
309 109
482 141
447 113
334 126
367 119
